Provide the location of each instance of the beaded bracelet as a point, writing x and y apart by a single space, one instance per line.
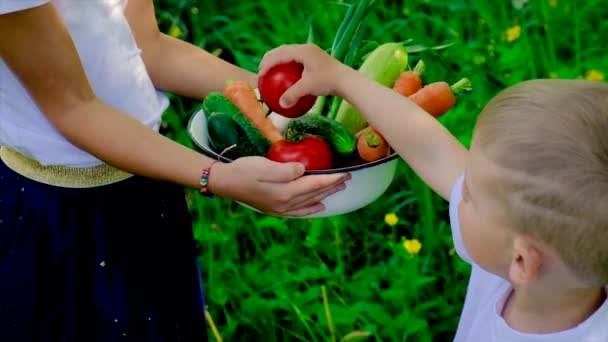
204 182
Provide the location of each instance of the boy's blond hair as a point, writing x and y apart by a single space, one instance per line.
552 137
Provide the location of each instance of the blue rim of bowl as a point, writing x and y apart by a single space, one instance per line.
212 154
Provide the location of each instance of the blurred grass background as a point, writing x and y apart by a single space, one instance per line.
360 276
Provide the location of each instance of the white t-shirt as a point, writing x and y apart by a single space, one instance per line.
486 295
113 64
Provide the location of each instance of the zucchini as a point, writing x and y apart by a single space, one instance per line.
330 130
383 65
217 103
224 132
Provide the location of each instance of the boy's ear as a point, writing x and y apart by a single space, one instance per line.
526 263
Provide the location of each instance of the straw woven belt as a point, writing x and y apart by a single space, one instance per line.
63 176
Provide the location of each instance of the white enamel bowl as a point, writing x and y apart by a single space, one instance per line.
369 181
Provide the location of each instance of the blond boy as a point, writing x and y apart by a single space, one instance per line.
528 202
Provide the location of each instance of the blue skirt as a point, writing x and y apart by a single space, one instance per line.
112 263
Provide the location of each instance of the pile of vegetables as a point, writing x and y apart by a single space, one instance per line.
324 132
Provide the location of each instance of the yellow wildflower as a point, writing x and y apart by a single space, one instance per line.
391 219
513 33
553 74
175 31
553 3
594 75
194 10
412 246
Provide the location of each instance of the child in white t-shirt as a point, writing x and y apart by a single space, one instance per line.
528 202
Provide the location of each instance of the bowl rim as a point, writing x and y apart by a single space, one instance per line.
212 154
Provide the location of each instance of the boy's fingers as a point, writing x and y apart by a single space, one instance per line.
294 93
283 54
276 56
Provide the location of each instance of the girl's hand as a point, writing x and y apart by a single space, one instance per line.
274 188
320 75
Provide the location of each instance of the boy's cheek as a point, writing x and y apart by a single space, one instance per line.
475 242
482 246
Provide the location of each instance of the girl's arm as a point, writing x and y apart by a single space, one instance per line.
59 86
175 65
36 45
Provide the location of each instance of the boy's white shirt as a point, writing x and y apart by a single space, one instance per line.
113 64
481 320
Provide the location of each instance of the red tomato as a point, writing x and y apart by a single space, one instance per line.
273 84
313 152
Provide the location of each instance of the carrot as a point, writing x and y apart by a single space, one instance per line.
439 97
371 145
243 96
410 81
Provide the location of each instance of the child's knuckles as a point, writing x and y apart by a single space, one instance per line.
283 199
309 46
295 171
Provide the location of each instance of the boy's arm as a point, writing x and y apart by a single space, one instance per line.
175 65
426 145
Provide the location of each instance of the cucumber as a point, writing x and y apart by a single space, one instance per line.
330 130
217 103
224 132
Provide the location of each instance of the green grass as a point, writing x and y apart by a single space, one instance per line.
264 275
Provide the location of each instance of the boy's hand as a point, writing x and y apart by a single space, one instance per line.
274 188
321 71
426 145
